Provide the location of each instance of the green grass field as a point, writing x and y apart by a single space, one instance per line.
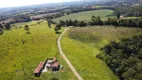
86 15
81 49
38 46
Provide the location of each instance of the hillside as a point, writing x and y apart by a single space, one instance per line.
82 46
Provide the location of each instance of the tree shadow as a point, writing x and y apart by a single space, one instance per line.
54 78
58 32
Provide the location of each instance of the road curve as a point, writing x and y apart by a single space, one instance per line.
66 59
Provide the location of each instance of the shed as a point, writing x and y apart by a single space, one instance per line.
39 69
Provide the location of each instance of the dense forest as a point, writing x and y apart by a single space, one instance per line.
125 58
129 11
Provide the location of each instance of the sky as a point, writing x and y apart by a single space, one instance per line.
16 3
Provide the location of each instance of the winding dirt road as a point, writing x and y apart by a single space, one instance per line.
66 59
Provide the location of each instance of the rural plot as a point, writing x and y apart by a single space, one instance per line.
18 60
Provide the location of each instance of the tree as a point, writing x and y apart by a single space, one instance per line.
114 22
26 28
49 23
67 22
139 23
7 26
96 21
1 27
75 23
70 23
118 15
62 23
57 27
1 31
82 23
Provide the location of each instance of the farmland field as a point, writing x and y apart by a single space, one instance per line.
18 60
86 15
82 45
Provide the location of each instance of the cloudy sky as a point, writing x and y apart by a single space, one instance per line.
14 3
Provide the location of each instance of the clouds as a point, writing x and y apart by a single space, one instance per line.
13 3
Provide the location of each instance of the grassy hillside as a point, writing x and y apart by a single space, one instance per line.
82 45
86 15
37 47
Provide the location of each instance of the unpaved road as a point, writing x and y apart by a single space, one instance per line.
66 59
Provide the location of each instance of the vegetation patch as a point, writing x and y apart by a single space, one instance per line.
83 54
125 58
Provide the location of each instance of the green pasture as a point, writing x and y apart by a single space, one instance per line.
82 45
86 15
20 53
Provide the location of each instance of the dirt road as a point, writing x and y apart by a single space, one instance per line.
66 59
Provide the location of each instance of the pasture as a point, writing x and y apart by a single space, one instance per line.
86 15
20 53
82 45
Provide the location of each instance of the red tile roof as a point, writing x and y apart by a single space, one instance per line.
40 66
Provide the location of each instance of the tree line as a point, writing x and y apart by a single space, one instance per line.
125 58
97 21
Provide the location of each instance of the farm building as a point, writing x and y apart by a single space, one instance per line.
55 66
48 65
39 69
